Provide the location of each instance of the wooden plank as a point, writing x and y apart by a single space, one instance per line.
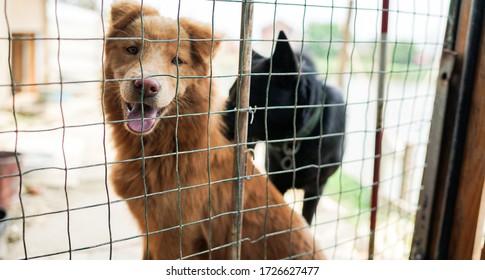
433 197
241 133
408 171
424 221
434 249
478 240
31 78
17 61
467 230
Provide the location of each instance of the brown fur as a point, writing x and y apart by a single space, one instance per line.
193 133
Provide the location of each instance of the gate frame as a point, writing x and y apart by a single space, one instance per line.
449 222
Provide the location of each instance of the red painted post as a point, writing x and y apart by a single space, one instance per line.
379 127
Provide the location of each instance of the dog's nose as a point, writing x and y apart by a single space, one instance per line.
150 86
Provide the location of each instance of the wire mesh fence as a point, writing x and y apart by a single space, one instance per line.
319 94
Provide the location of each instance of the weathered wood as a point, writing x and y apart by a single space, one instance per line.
467 230
424 219
243 86
407 170
31 78
17 65
434 197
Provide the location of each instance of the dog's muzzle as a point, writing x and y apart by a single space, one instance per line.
141 116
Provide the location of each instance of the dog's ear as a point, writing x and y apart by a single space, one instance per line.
257 56
123 13
205 39
256 59
284 59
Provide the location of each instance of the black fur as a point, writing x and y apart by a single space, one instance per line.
311 90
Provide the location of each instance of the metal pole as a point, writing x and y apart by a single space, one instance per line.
379 127
241 123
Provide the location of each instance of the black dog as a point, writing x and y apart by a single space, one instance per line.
326 124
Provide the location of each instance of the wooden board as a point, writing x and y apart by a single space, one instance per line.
467 230
439 201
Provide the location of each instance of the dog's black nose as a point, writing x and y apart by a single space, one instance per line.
150 86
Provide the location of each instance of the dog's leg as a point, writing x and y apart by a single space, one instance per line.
310 205
313 193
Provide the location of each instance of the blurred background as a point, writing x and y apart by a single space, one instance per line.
52 116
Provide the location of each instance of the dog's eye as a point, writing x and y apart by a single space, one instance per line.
177 60
132 50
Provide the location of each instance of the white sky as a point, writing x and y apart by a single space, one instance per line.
227 15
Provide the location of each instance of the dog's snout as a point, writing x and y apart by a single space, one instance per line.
149 86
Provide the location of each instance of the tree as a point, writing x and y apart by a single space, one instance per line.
403 52
88 4
328 36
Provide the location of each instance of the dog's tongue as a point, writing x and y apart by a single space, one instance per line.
135 117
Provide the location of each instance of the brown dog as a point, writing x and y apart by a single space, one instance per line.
177 187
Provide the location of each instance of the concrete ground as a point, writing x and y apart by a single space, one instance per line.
47 235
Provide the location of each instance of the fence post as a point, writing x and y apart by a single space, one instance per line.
433 197
241 124
467 164
379 127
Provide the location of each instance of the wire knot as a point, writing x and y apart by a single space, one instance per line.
252 111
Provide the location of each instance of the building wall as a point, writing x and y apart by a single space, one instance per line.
77 60
24 16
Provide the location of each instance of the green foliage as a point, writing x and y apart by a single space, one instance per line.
329 36
88 4
402 52
348 192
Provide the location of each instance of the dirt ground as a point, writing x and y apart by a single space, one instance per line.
50 232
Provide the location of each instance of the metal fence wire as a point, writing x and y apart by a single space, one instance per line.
344 93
